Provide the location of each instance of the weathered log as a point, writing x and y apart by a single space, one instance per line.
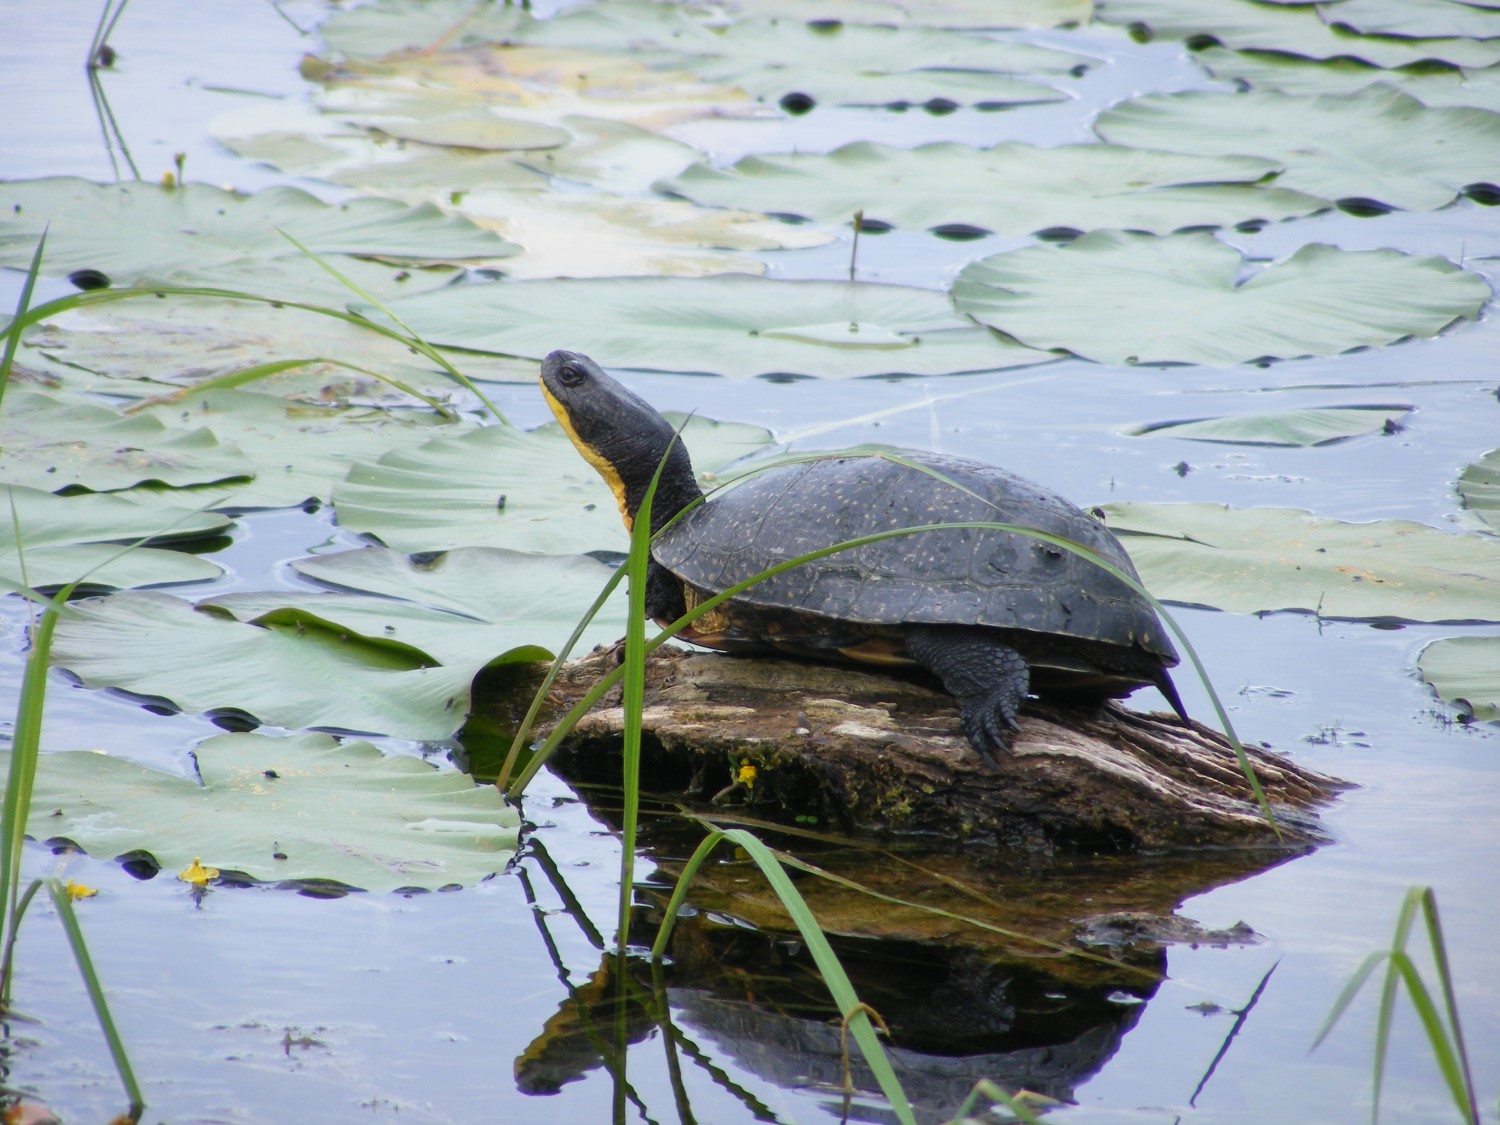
879 754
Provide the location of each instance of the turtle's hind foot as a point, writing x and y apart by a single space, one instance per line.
987 677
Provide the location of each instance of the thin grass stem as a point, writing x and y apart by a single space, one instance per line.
1445 1041
411 337
64 904
539 697
247 375
23 303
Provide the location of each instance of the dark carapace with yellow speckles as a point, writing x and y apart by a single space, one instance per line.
992 614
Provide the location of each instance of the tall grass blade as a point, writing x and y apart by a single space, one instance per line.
837 981
1450 1000
1445 1041
523 732
64 904
12 932
13 338
634 695
1437 1034
25 747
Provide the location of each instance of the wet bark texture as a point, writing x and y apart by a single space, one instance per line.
870 753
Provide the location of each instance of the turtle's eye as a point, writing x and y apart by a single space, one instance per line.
572 375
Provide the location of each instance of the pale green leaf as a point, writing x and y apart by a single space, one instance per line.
1314 426
300 810
1479 485
1295 29
857 64
372 30
1374 144
299 450
299 675
1261 560
1431 19
66 537
1123 298
485 584
524 490
1465 671
1013 188
475 129
620 230
730 325
1431 85
525 82
52 442
339 661
973 14
149 347
141 234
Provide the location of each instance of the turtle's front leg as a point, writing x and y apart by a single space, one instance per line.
987 677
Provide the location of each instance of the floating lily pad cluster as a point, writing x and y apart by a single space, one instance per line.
485 112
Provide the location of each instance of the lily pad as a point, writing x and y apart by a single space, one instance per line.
297 138
1431 85
1480 488
604 235
972 14
300 810
345 662
65 538
1374 144
1261 560
830 61
1014 188
372 30
731 325
476 129
525 82
568 234
386 26
140 234
1465 671
1182 299
135 349
299 450
1316 426
1433 19
524 490
614 155
1293 29
53 442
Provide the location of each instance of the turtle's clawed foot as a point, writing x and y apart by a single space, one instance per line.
990 720
987 677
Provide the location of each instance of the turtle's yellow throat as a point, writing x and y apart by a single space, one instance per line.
604 468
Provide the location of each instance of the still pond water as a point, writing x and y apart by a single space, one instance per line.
259 1005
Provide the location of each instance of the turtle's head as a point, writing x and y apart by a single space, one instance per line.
621 435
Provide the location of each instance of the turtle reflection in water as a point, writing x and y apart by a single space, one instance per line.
991 614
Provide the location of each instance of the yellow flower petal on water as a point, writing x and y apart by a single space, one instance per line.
198 875
77 891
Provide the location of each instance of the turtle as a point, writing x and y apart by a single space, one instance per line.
990 614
